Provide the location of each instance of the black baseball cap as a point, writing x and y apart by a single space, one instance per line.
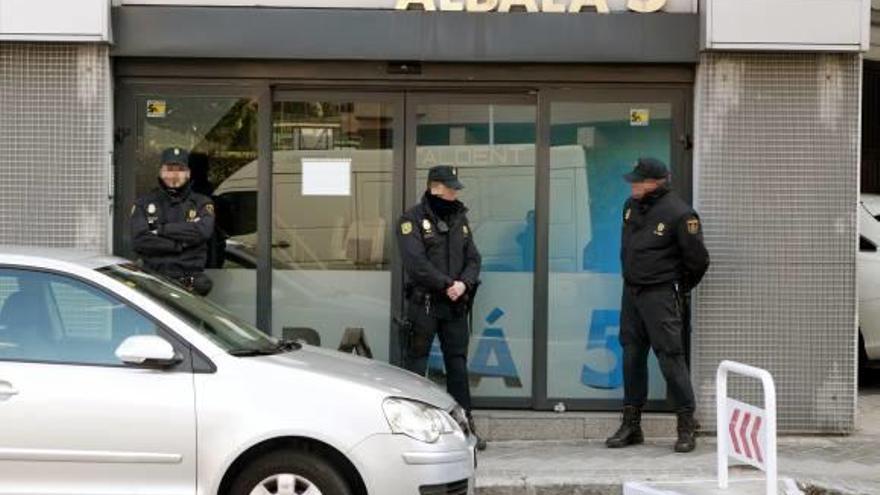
445 174
647 168
177 156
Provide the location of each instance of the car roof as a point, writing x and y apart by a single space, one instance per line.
42 256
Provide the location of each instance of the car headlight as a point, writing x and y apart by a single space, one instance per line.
417 420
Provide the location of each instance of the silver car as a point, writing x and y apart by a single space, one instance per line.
114 381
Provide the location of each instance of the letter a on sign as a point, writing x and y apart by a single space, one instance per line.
529 5
426 4
600 5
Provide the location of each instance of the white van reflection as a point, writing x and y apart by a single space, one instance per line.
331 255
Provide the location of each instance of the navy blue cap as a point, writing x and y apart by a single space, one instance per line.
647 168
445 174
178 156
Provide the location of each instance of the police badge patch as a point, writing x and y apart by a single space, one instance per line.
406 228
661 227
209 208
693 226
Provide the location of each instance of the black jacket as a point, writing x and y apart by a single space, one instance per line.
437 253
171 236
662 242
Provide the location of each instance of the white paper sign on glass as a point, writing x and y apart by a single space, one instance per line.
326 176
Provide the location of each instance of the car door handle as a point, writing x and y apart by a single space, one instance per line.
7 390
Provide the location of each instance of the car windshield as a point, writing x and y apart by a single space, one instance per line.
221 327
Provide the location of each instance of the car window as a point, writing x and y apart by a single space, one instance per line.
212 321
866 245
48 317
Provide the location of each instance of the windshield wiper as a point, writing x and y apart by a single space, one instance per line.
288 345
281 347
254 352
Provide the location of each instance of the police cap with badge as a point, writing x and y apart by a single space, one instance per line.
647 168
446 175
175 156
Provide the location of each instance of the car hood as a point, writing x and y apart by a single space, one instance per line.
385 378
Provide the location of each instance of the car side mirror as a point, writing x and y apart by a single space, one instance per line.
150 351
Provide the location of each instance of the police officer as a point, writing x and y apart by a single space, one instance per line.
171 225
442 265
663 258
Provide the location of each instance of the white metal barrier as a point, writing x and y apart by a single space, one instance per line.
750 434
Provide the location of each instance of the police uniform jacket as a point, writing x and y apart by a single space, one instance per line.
171 236
662 242
436 253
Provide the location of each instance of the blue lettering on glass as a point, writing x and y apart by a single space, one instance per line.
600 337
492 341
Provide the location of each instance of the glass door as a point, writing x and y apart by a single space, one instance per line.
491 140
333 207
218 126
595 137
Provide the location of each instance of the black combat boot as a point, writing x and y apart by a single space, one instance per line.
630 431
481 444
687 430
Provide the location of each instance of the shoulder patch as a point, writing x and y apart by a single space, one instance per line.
693 225
426 225
465 229
209 208
627 214
133 209
406 228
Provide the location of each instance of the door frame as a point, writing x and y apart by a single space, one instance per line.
398 130
523 96
676 87
679 97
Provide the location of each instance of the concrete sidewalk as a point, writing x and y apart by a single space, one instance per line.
846 465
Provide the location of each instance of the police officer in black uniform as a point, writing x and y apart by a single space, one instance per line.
663 258
442 265
171 225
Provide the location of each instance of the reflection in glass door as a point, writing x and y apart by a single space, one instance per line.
221 134
492 143
333 161
592 146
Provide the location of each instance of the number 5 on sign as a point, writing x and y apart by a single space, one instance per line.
600 337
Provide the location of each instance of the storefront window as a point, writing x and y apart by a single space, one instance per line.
592 146
221 135
331 224
493 147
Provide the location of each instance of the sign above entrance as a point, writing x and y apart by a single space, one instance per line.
549 6
554 6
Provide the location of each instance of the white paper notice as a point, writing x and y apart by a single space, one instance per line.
326 176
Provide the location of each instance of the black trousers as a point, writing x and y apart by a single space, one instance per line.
454 336
651 318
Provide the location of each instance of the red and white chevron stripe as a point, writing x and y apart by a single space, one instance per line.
747 443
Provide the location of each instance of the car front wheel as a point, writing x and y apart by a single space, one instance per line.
290 473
